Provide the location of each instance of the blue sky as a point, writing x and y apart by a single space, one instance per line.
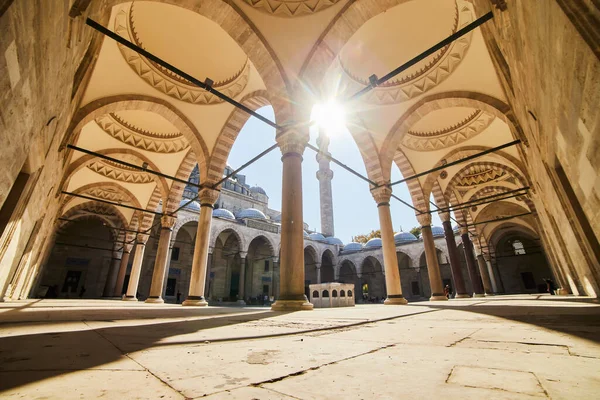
355 211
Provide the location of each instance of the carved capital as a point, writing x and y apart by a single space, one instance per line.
292 141
127 248
142 238
324 174
168 221
208 196
243 254
444 216
424 219
500 4
463 230
381 194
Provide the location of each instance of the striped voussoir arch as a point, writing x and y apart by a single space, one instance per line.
491 190
183 172
236 121
368 150
414 185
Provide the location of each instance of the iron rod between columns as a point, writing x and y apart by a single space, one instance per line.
111 203
337 162
500 219
487 201
451 208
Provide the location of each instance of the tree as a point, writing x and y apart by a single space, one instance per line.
416 231
367 237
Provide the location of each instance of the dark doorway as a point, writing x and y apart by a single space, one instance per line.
71 282
234 288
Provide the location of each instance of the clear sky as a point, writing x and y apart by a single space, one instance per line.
354 210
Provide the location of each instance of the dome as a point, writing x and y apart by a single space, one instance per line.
437 231
334 240
353 246
373 243
193 206
404 237
306 234
223 213
316 236
278 219
258 189
251 213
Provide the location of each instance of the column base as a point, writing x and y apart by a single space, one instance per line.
291 305
395 301
438 298
195 303
130 298
462 296
489 294
562 292
241 302
155 300
478 295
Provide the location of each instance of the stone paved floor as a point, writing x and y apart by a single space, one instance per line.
505 347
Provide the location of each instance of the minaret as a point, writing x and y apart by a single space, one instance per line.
325 175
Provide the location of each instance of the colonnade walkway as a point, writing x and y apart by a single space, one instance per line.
518 347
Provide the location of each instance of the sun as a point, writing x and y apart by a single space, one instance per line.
330 117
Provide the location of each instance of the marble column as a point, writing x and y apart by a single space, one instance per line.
455 268
485 275
162 259
324 176
468 248
113 271
433 265
318 266
291 275
242 285
382 196
118 292
200 260
136 267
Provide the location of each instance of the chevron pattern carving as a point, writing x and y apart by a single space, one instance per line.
163 80
478 174
128 134
106 194
111 170
434 72
291 8
430 141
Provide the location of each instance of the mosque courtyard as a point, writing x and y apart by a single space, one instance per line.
517 347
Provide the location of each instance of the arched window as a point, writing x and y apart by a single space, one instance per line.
325 293
349 293
316 293
334 293
342 293
518 247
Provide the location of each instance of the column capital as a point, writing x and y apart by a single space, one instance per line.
463 230
382 195
208 197
142 238
318 265
127 248
324 174
292 141
168 221
243 254
424 219
444 216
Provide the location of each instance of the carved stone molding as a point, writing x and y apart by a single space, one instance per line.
478 174
434 72
166 81
167 221
291 8
142 238
448 137
424 219
292 141
118 172
382 194
139 138
208 196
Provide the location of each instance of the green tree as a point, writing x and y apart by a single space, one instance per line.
416 231
367 237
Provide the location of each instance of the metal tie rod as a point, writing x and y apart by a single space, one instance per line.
347 168
500 219
111 203
252 161
445 209
462 160
456 35
90 22
488 201
440 210
139 168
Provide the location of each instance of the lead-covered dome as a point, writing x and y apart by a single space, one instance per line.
404 237
251 213
353 246
334 240
258 189
317 236
192 206
373 243
223 213
306 234
437 231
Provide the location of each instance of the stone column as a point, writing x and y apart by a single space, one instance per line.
200 261
485 276
242 290
325 175
433 266
162 259
318 266
113 271
118 292
291 274
459 282
382 196
492 276
136 268
468 248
